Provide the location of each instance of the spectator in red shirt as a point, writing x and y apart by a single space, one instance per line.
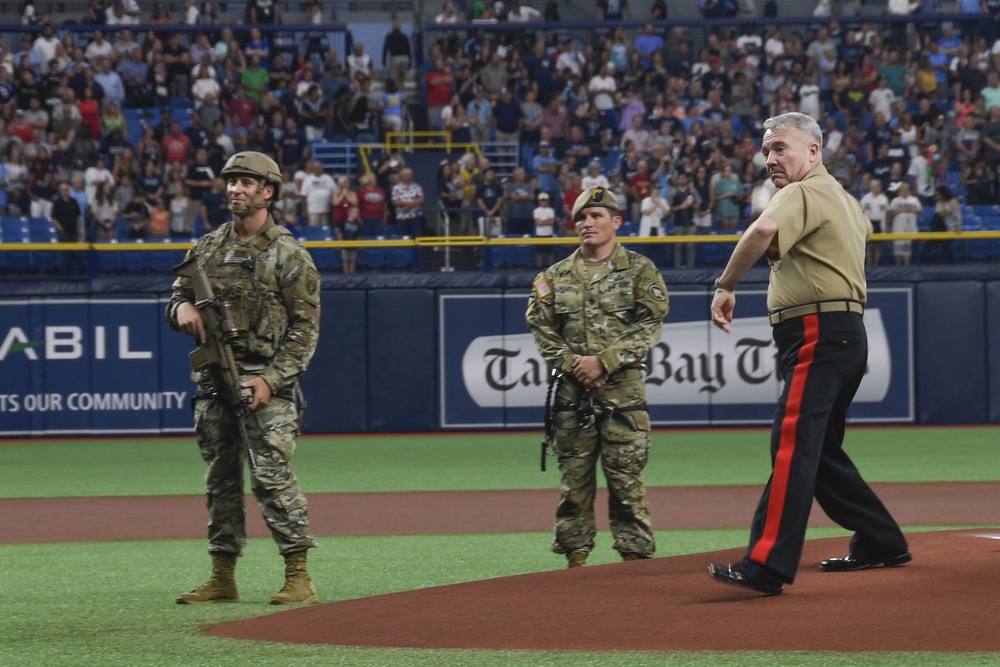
242 107
574 189
372 201
638 188
176 146
440 87
555 119
21 128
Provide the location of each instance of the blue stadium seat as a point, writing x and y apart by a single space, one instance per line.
924 219
108 261
43 230
611 160
983 250
401 258
198 227
737 124
527 157
161 261
706 254
121 229
522 256
133 261
325 259
372 259
133 122
498 255
17 230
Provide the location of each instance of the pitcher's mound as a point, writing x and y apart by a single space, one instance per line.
945 600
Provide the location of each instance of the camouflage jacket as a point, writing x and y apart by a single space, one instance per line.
616 314
273 286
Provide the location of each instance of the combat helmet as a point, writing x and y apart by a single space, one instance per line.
257 165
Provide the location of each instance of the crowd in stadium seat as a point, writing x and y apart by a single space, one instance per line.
915 104
113 114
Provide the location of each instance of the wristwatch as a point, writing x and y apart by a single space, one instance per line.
721 286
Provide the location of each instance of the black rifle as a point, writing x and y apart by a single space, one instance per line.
215 355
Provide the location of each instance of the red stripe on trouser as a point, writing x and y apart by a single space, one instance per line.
786 446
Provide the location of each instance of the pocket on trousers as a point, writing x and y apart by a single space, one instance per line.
626 426
843 340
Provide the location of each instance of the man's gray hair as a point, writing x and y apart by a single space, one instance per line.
799 121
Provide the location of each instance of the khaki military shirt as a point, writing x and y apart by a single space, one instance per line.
613 309
273 287
820 250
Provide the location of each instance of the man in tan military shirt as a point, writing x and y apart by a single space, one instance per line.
595 316
813 234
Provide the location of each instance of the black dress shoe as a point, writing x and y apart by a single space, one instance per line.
748 575
853 563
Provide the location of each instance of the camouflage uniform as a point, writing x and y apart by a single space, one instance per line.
274 288
613 310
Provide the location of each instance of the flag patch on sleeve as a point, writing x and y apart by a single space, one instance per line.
542 288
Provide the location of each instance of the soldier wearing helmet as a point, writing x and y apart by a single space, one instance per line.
251 165
268 281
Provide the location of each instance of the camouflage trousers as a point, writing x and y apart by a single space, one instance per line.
272 431
621 443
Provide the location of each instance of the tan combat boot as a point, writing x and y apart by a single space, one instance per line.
576 559
220 588
298 588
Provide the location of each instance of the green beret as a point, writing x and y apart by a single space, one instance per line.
596 196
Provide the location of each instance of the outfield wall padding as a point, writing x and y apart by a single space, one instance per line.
951 352
404 352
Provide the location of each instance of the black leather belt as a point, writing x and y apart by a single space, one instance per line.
844 306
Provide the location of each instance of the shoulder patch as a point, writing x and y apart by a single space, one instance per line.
312 282
657 292
542 288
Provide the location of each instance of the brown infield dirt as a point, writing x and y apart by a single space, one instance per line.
945 600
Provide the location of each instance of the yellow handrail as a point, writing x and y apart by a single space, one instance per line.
139 246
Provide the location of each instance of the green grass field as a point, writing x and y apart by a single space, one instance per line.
111 604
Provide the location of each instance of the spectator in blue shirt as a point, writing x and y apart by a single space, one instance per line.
948 41
480 116
292 148
489 194
28 56
541 68
646 44
939 61
545 167
613 10
507 117
111 83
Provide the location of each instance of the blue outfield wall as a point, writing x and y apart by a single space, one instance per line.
450 351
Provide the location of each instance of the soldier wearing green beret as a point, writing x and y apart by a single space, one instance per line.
594 316
268 280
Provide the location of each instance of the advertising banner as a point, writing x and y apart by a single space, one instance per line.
91 365
103 365
697 374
